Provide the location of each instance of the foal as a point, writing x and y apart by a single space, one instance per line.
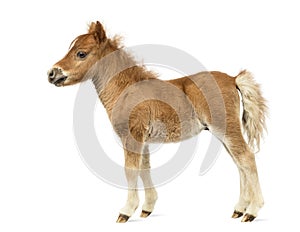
144 109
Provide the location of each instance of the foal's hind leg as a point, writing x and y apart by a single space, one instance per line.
251 199
243 202
150 192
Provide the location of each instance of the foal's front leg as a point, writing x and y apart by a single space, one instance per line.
150 192
132 164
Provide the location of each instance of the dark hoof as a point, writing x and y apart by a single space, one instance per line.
122 218
237 214
145 214
248 218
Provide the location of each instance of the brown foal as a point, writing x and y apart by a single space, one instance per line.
144 109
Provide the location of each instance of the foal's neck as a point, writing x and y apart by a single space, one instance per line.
114 73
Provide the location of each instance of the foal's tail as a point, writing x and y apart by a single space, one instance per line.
255 108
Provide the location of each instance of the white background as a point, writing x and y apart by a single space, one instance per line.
45 186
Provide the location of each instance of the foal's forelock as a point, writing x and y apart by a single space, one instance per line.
75 40
72 43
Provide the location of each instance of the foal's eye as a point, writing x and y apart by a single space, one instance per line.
81 54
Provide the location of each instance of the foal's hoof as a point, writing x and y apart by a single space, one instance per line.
237 214
122 218
145 214
248 218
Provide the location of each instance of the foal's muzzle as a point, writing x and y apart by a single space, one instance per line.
56 77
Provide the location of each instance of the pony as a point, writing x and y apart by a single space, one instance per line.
144 109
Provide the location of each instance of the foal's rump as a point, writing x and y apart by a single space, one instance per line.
214 96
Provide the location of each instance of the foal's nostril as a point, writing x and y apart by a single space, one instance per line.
51 74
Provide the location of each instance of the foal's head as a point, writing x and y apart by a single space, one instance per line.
84 51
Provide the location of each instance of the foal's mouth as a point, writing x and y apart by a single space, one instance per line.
59 81
56 77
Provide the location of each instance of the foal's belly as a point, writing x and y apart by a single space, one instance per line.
171 133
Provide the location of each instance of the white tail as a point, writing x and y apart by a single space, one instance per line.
255 109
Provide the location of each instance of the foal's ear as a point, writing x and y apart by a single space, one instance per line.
98 31
92 27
